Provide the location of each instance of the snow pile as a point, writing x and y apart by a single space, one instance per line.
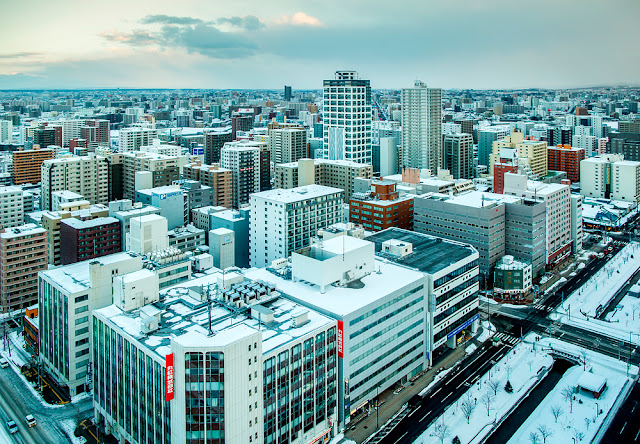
626 314
520 367
597 292
487 330
340 439
470 349
68 427
579 419
436 378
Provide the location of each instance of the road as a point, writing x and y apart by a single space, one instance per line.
625 427
448 390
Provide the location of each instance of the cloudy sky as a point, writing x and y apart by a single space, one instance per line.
269 43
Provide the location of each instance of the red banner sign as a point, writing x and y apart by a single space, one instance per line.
169 376
340 339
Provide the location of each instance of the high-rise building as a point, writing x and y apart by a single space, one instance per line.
287 93
214 176
86 175
102 127
528 155
457 155
214 140
287 144
46 135
131 139
290 218
347 118
81 240
625 181
422 127
15 204
243 159
381 208
164 170
486 137
595 173
566 158
27 163
241 122
23 253
6 130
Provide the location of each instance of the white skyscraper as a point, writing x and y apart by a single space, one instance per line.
243 159
422 127
347 118
6 130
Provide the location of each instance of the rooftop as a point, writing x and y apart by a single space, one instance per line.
430 254
23 230
97 222
297 194
477 199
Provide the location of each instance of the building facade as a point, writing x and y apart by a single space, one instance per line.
422 127
27 163
243 159
82 240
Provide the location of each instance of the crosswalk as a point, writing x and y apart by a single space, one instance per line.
541 306
507 339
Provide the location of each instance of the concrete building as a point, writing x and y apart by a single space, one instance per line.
149 234
27 163
67 201
15 203
87 176
458 155
238 222
486 137
285 220
625 181
222 248
131 139
530 155
422 127
381 208
200 216
243 159
288 144
331 173
557 199
216 177
566 158
245 365
214 140
586 142
124 210
23 253
187 238
576 222
512 278
82 240
164 170
172 202
346 102
596 175
66 298
386 308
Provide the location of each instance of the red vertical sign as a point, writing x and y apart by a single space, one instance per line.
169 376
340 339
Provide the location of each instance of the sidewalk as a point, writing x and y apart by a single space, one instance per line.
391 403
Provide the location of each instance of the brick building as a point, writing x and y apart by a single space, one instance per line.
81 240
382 208
566 158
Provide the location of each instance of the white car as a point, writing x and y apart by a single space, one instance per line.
31 421
4 363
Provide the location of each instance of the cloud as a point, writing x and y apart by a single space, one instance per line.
170 20
134 38
208 40
299 19
19 55
248 22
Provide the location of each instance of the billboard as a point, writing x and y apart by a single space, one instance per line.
169 376
340 339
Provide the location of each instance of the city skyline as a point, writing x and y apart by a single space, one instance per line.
495 44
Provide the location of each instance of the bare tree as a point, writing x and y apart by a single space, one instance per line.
545 432
567 393
577 434
509 368
587 422
556 411
467 407
494 384
441 431
533 437
583 355
635 309
487 400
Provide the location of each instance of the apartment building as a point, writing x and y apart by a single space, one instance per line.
27 163
131 139
164 170
82 240
566 158
244 161
381 208
422 127
214 176
15 203
288 144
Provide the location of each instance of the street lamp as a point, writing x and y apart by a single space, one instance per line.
630 346
597 409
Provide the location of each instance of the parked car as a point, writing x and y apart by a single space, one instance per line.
4 363
12 426
31 421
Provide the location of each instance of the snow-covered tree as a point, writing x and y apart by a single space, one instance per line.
567 394
494 384
556 411
487 400
441 431
545 432
533 437
467 407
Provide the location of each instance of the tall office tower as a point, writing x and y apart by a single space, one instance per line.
164 170
265 168
15 204
287 144
291 218
458 155
6 130
88 176
131 139
27 163
347 118
23 253
422 127
486 137
243 159
287 93
43 136
214 140
214 176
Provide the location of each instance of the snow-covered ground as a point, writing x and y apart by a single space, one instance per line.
69 427
581 419
580 307
523 365
627 314
520 366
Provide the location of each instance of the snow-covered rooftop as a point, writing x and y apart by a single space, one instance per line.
592 382
297 194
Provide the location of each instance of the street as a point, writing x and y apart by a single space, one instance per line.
625 427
